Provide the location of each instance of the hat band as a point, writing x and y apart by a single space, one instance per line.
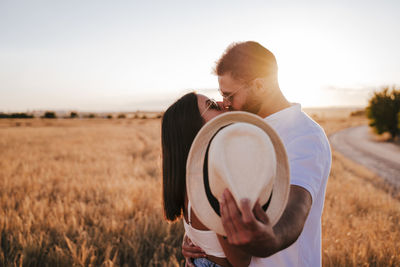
211 198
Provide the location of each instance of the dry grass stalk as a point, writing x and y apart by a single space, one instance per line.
88 193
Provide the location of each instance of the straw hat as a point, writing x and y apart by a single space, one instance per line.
239 151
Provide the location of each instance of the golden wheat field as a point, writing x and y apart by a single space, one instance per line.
88 193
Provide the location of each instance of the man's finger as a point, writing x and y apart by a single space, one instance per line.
247 214
260 214
227 220
240 231
231 207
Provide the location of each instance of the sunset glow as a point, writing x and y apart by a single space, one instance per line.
127 56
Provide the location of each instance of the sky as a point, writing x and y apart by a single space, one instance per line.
142 55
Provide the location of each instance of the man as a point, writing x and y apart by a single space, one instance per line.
248 81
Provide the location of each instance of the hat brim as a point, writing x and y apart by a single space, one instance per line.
194 170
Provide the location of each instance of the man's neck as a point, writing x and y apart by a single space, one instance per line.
272 104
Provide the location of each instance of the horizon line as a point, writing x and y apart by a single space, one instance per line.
67 110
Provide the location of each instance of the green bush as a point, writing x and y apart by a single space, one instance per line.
383 110
16 116
398 120
73 115
49 115
356 113
90 116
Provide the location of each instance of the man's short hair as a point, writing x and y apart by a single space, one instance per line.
247 61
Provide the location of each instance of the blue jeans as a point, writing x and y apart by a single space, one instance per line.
204 262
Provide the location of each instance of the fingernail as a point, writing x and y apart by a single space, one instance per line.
225 192
244 201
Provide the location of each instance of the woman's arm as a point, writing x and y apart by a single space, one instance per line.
235 255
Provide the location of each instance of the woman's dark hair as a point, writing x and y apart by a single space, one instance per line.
180 124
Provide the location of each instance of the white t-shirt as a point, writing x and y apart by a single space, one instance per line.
310 162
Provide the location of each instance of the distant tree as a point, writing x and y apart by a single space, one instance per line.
121 116
49 115
16 116
89 116
360 112
383 110
73 115
109 116
398 120
21 116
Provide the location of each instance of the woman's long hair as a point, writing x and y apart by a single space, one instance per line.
180 124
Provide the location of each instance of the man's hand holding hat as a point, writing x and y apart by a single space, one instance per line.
249 228
252 231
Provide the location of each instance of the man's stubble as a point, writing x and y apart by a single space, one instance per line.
253 102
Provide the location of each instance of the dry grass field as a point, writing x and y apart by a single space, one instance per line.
361 214
88 193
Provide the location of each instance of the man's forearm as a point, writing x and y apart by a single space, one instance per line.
252 231
291 224
288 228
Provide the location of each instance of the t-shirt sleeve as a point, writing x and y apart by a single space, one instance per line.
308 160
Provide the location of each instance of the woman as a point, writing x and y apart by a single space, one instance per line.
180 124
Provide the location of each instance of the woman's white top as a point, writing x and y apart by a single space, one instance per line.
205 239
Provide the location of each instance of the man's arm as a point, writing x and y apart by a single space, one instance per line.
252 231
235 255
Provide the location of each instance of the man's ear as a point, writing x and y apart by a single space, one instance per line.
259 84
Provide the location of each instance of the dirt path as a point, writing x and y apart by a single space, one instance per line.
357 143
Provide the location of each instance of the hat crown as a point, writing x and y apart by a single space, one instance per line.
200 173
242 158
